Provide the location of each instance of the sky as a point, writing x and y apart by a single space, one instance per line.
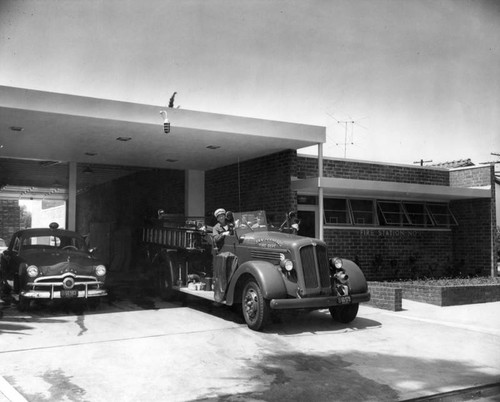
391 80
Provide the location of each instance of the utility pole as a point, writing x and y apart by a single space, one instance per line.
421 161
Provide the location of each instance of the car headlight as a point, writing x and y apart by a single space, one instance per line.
100 270
32 271
337 262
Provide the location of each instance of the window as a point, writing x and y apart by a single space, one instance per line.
391 213
418 214
441 215
336 212
363 212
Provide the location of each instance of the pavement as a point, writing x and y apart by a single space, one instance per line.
144 349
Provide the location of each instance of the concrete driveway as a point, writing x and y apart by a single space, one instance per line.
143 349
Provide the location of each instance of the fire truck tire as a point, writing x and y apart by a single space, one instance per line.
344 314
255 307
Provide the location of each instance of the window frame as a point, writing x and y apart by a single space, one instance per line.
428 214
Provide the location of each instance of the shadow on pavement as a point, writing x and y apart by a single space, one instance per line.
329 377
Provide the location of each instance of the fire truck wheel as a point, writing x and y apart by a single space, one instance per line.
344 314
255 308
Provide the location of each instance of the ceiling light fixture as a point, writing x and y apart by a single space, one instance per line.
124 139
17 128
90 153
166 123
172 160
213 147
88 170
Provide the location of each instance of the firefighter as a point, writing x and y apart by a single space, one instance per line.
221 229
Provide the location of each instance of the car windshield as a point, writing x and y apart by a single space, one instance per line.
54 241
252 221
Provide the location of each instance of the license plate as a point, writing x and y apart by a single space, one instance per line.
344 300
67 294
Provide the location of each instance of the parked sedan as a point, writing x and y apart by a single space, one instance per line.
48 264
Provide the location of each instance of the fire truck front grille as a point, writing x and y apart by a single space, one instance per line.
309 267
324 269
315 267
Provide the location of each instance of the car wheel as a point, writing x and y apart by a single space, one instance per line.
344 314
24 304
93 303
255 308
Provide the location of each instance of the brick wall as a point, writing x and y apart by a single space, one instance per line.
474 237
388 254
471 177
261 183
343 169
10 219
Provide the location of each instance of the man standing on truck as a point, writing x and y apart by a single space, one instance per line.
221 229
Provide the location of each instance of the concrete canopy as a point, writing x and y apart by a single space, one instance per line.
335 187
51 127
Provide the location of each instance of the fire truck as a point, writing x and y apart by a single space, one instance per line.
260 267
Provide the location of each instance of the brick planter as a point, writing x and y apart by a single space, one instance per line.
385 296
448 295
452 295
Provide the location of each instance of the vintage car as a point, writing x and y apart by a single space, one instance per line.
49 264
259 267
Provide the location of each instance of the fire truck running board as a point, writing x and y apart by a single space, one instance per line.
204 294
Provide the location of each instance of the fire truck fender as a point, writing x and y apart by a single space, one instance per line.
266 275
357 280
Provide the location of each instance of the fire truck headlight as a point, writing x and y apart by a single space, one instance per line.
100 270
337 262
287 264
32 271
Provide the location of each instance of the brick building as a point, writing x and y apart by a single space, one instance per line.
401 221
395 221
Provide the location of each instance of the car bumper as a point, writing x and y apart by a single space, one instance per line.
318 302
56 294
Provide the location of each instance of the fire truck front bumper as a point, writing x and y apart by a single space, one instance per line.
319 302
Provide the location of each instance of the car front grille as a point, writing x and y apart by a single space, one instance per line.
55 282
